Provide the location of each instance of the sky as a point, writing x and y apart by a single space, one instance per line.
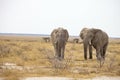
42 16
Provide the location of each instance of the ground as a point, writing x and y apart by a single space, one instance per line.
31 56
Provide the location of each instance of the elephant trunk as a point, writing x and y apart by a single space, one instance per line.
85 43
60 47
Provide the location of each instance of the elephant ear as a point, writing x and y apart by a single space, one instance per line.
53 35
83 33
66 34
54 32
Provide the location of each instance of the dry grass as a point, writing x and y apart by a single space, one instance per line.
37 59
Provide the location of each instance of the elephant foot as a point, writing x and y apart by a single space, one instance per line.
61 59
90 57
103 57
85 58
58 58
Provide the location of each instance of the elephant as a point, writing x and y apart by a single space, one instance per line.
76 40
59 38
46 39
94 38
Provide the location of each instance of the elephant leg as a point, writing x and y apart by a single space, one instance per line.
98 54
59 52
85 52
62 52
101 52
104 50
90 52
56 51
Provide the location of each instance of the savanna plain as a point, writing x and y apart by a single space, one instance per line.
32 56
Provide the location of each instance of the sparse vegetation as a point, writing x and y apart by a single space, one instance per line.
34 57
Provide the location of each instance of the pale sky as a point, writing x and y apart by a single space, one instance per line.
42 16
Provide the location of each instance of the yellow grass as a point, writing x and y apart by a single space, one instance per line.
34 52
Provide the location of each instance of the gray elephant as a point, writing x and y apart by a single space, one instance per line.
59 38
96 38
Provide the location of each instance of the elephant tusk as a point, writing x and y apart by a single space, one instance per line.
89 43
55 42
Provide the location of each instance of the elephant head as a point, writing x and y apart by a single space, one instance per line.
96 38
84 34
59 38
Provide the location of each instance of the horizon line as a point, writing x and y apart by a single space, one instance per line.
35 34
